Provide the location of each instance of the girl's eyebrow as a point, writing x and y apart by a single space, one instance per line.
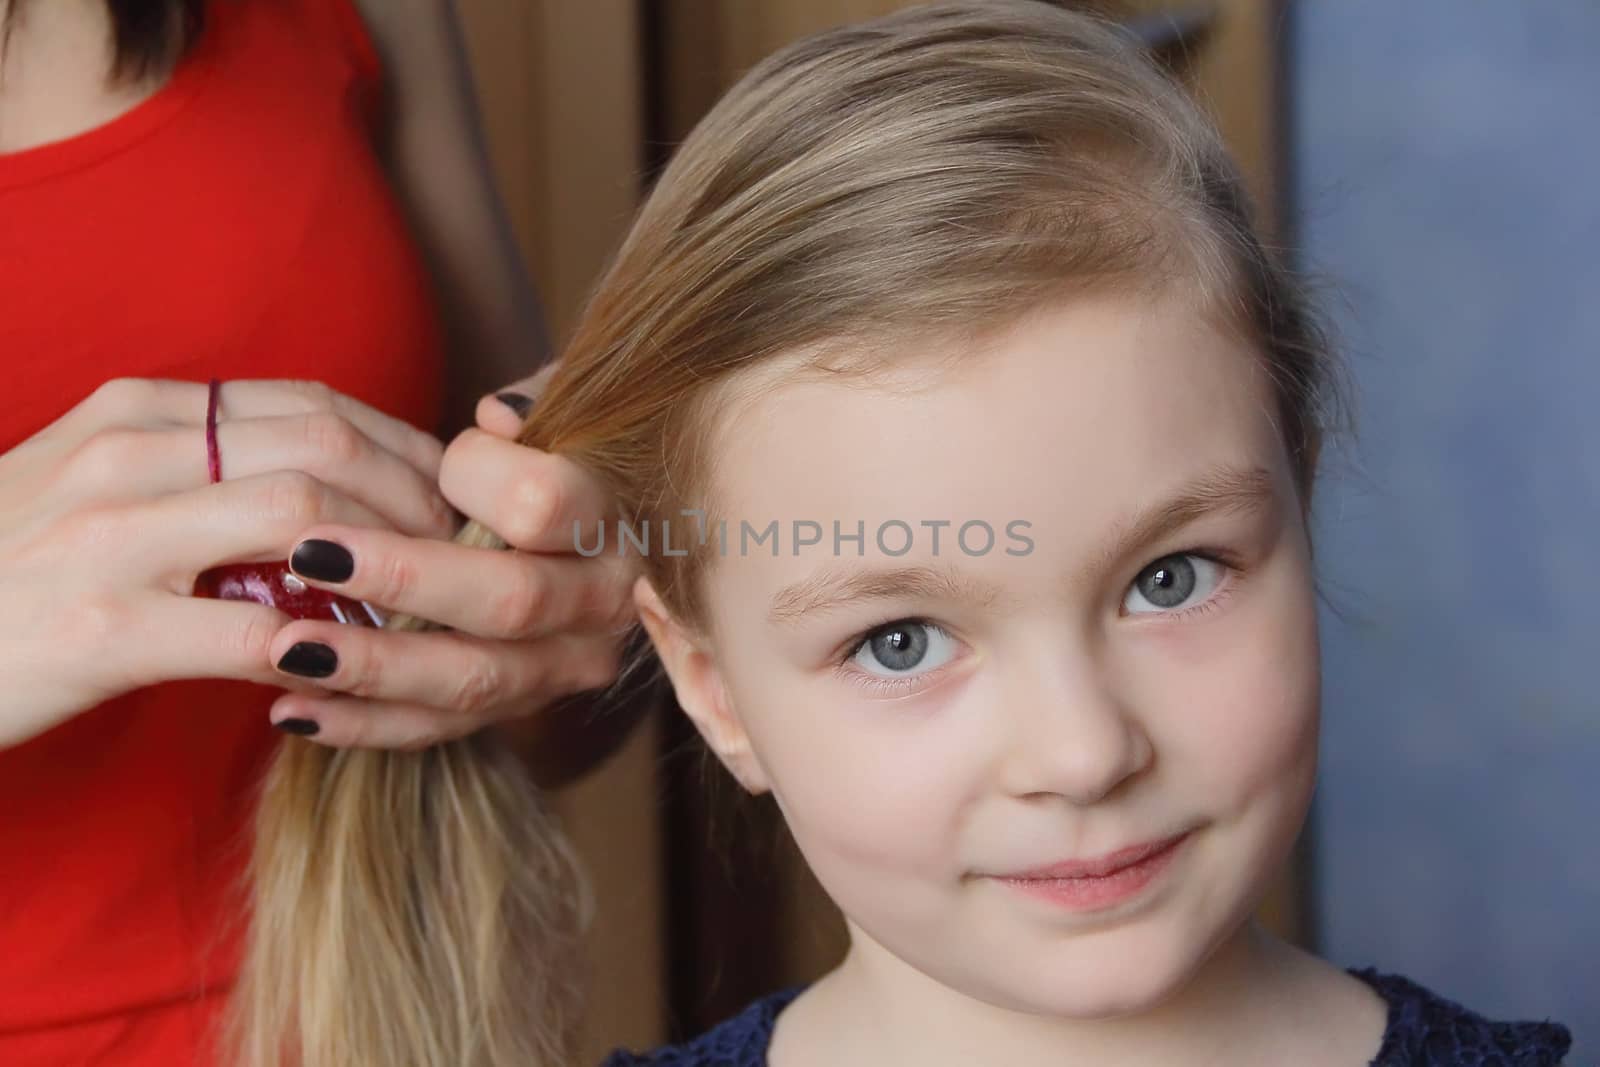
1221 489
833 588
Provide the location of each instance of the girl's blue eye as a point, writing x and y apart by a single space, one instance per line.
899 648
1171 582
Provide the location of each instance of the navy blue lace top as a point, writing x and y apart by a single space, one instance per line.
1424 1030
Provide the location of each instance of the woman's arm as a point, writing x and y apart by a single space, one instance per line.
437 155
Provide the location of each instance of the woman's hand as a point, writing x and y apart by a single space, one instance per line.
107 516
527 627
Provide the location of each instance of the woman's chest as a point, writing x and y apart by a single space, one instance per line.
237 222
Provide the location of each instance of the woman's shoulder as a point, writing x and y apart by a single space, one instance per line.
738 1041
1426 1029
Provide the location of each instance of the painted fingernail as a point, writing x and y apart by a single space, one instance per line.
310 659
300 727
322 561
516 402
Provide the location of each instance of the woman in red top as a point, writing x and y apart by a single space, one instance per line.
242 200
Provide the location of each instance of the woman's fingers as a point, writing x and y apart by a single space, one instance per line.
263 399
532 499
256 518
151 403
350 722
132 464
164 638
418 688
336 450
487 592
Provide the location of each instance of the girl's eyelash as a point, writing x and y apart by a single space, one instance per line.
888 686
875 682
1223 557
1227 557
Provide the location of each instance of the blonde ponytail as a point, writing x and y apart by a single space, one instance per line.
409 909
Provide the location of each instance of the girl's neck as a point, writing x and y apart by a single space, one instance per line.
1244 1005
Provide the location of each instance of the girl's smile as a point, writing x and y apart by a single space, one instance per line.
1102 883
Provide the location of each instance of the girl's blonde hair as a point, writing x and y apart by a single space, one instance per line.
923 176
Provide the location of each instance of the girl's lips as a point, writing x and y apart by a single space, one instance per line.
1119 879
1100 866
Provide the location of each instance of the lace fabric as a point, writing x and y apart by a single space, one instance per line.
1424 1030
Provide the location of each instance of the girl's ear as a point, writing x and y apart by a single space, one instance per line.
698 684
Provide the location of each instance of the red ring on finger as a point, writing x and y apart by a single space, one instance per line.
213 454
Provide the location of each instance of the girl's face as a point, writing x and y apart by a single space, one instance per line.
1134 659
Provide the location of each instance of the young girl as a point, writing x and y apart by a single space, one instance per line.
969 432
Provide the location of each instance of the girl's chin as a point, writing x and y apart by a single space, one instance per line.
1120 977
1110 999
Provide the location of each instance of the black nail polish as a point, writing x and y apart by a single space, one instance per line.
310 659
516 402
300 727
322 561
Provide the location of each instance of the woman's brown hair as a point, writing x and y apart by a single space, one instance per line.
148 36
930 174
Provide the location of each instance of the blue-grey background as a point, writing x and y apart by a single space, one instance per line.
1445 178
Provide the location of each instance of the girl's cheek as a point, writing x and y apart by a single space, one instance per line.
1249 726
874 796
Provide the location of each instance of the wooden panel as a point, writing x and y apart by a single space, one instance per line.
709 43
755 30
1234 74
560 88
589 90
501 40
706 45
612 816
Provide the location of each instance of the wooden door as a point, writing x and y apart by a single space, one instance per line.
559 84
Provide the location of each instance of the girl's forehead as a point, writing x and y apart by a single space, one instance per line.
1089 394
1035 459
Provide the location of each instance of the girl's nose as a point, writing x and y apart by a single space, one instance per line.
1071 734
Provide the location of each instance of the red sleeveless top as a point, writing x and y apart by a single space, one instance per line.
238 224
